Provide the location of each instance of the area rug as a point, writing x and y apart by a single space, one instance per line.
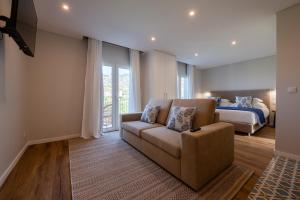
109 168
280 180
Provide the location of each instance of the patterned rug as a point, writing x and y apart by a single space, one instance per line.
108 168
281 180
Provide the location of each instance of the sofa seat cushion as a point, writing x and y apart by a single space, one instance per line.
165 139
136 127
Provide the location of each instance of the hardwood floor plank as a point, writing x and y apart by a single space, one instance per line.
43 171
254 152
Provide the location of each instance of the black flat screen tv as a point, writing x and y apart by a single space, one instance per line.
22 25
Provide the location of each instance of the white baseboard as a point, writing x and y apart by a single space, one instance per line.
12 165
287 155
54 139
31 142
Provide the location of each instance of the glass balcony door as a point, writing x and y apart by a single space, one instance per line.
116 95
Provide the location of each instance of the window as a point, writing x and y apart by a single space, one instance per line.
116 95
115 71
182 80
183 88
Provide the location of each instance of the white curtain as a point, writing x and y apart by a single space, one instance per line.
92 106
181 73
134 85
191 87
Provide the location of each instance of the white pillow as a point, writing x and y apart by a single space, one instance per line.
259 105
225 100
234 105
226 104
257 100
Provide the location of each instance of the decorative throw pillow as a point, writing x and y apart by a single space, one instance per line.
150 113
244 102
217 99
180 118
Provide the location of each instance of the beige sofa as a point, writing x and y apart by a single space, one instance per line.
196 157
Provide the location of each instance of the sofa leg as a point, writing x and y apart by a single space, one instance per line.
249 134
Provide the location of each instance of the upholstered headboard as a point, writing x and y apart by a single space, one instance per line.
262 94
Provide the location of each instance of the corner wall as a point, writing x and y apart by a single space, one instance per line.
56 86
13 93
288 104
40 97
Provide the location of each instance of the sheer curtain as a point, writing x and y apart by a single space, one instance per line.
191 87
182 80
92 106
134 85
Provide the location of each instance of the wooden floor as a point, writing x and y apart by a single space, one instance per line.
254 152
43 171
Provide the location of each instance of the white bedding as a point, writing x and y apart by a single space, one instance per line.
240 116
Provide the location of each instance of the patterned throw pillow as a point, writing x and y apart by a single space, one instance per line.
244 102
150 113
180 118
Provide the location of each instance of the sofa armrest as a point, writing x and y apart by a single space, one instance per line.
216 117
206 153
130 117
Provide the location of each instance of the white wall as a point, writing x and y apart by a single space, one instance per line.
253 74
288 110
158 76
56 86
13 93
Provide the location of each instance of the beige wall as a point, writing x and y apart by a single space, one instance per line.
198 83
13 93
56 86
254 74
40 97
288 110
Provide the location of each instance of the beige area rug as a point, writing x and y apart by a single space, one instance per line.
108 168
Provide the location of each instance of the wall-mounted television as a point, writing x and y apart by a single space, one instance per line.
22 25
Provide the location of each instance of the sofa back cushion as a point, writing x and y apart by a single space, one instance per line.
205 110
164 108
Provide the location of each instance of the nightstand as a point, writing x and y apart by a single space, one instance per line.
272 118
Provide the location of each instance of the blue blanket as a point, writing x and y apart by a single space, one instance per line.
258 112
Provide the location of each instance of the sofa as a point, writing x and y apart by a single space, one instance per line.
193 157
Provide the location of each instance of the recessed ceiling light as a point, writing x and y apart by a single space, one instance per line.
65 7
233 43
196 54
192 13
153 39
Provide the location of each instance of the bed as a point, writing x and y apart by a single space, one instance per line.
245 120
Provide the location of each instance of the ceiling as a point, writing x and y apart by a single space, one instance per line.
131 23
